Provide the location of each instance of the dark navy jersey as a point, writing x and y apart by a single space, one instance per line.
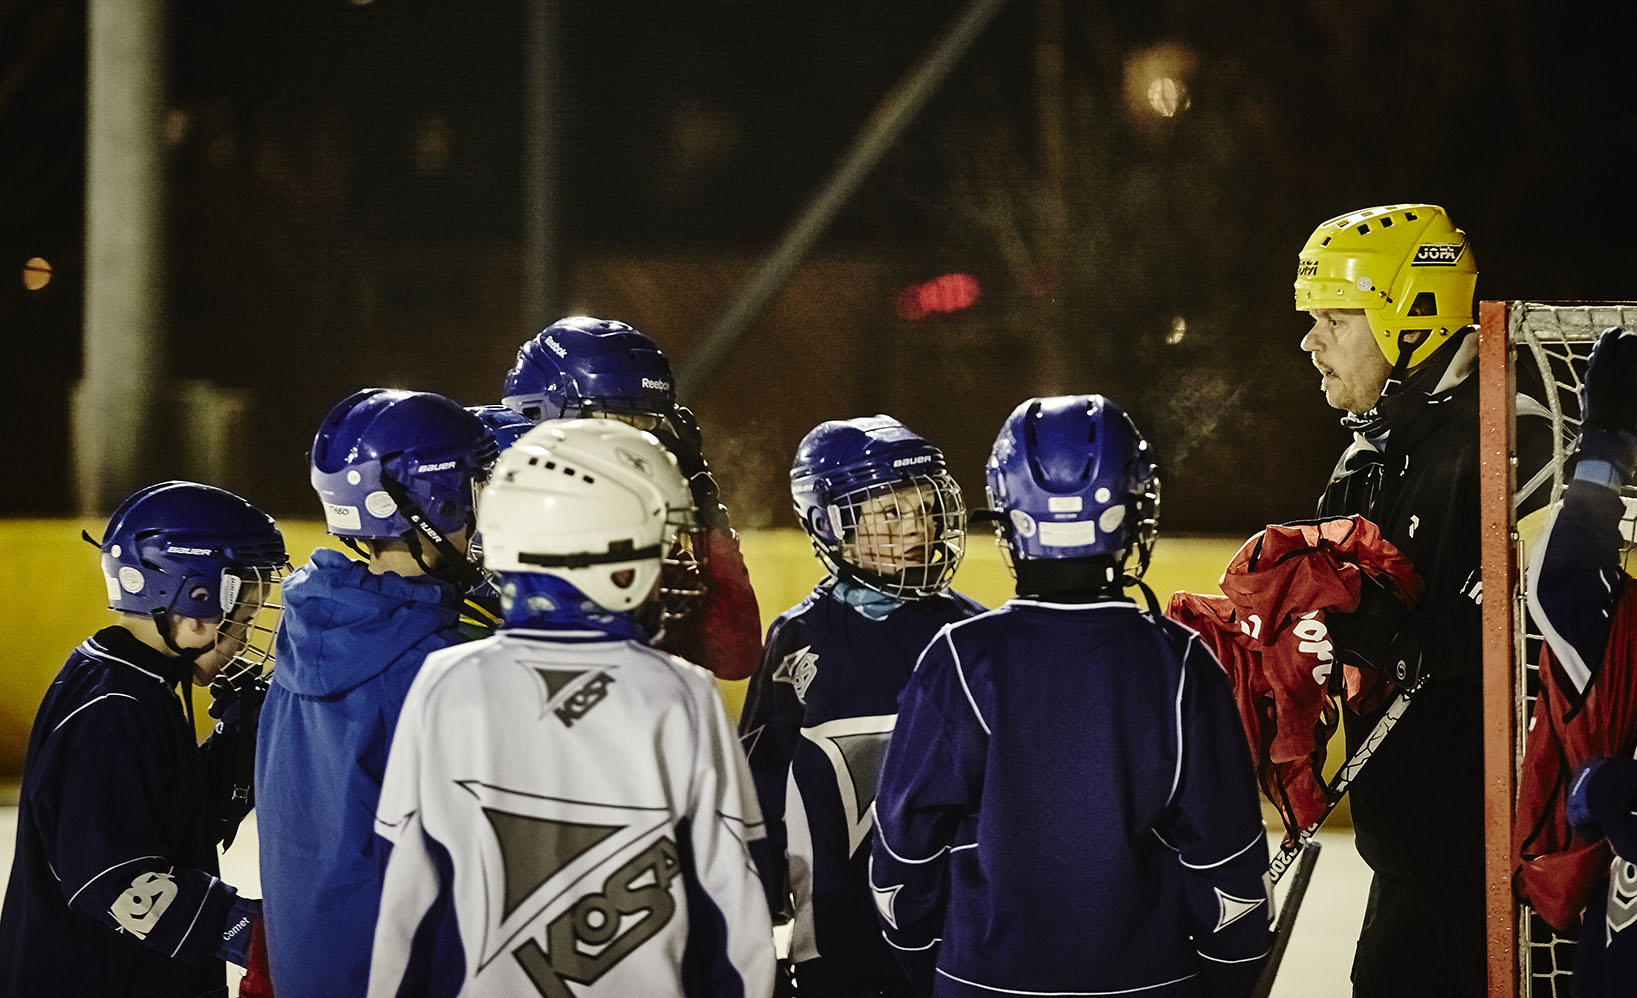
1068 807
114 887
817 718
1575 584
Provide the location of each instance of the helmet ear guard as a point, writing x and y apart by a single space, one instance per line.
1405 265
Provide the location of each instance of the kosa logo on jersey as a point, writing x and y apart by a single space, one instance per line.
905 462
656 385
1437 254
603 927
555 347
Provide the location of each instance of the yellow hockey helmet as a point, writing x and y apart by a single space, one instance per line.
1406 265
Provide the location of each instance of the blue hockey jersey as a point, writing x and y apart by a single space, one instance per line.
816 721
1583 603
1068 807
114 887
350 643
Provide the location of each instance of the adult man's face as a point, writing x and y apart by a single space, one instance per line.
1352 368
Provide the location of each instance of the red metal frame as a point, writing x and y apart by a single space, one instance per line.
1496 391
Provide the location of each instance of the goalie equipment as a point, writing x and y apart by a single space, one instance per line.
1072 478
583 366
1406 265
596 503
879 505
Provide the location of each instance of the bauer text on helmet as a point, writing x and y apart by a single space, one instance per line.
880 505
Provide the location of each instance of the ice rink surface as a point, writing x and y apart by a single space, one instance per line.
1315 965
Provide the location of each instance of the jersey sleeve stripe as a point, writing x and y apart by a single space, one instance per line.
199 911
1235 855
1182 684
88 703
104 873
960 673
1243 959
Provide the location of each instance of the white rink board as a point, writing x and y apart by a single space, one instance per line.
1315 965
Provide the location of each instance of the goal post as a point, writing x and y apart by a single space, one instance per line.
1540 347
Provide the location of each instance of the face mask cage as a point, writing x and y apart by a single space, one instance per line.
626 412
904 539
251 601
682 568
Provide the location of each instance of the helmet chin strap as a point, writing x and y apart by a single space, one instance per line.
456 566
186 658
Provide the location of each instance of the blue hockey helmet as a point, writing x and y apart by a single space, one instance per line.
186 549
880 506
584 366
505 423
1073 478
387 463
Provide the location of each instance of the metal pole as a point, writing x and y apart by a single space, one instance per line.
542 281
114 408
883 128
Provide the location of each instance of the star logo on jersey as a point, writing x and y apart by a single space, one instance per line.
571 887
1230 909
1622 906
885 898
855 747
571 693
798 669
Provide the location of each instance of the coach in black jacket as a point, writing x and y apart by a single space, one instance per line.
1390 292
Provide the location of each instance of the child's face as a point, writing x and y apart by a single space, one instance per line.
893 531
225 638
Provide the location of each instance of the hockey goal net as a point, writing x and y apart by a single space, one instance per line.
1539 348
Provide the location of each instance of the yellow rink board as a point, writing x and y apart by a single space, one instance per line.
52 593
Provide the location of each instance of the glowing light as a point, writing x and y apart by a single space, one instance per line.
36 274
948 293
1156 82
1168 97
1179 329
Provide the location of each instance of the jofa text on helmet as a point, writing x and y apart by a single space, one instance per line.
1437 254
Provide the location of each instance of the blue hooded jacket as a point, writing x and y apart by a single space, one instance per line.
349 645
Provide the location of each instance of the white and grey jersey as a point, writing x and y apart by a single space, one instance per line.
568 809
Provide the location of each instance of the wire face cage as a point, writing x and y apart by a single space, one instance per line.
1532 358
903 538
252 599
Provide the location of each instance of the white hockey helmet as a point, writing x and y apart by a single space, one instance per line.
594 502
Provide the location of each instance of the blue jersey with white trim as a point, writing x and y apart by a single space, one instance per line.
817 719
1068 807
114 887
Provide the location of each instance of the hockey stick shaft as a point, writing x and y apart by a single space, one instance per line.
1344 778
1308 857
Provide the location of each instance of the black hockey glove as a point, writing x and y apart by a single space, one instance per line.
1608 403
1379 635
685 441
232 704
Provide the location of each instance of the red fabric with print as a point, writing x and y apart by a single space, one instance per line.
1552 870
1268 631
723 632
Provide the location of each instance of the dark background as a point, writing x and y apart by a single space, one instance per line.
345 183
